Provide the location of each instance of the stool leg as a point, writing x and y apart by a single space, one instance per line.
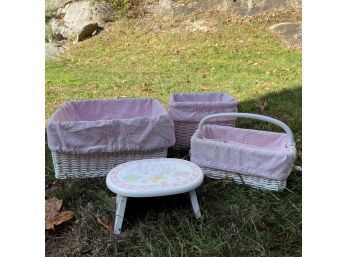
121 202
194 203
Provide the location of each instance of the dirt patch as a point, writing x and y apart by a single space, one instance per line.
194 26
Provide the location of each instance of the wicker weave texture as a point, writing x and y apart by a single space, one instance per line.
96 164
185 129
252 181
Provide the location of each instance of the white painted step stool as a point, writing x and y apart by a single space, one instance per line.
152 178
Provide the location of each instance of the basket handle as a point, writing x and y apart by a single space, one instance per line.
251 116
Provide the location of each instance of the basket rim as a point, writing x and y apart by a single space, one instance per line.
228 99
54 121
212 143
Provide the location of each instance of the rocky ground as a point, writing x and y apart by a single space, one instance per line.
69 22
73 21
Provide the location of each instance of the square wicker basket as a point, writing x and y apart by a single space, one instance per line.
187 109
89 138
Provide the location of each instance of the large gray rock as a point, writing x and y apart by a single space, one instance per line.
51 51
59 31
203 5
80 19
55 4
238 7
165 8
289 32
102 12
258 7
79 14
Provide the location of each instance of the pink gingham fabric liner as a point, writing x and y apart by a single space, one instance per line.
195 106
245 151
92 126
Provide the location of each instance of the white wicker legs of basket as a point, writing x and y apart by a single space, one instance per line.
252 181
96 164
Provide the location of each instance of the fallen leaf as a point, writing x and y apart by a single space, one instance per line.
53 216
262 104
105 223
207 87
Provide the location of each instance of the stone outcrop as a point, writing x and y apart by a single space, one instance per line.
289 32
238 7
55 4
77 19
81 19
52 50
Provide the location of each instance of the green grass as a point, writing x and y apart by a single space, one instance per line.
242 59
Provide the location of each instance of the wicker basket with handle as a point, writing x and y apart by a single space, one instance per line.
259 159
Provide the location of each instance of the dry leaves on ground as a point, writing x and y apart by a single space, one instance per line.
53 215
262 104
105 223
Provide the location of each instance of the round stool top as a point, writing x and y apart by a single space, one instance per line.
154 177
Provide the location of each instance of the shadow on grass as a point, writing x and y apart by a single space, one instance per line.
236 220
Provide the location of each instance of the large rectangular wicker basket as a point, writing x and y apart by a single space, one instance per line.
89 138
187 109
67 165
259 159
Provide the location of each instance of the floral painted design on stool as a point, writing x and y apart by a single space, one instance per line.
149 173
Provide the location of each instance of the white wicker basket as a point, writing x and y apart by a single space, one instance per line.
185 129
187 109
88 138
68 165
236 176
252 181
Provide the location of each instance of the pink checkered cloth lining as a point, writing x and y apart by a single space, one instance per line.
110 126
195 106
244 151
